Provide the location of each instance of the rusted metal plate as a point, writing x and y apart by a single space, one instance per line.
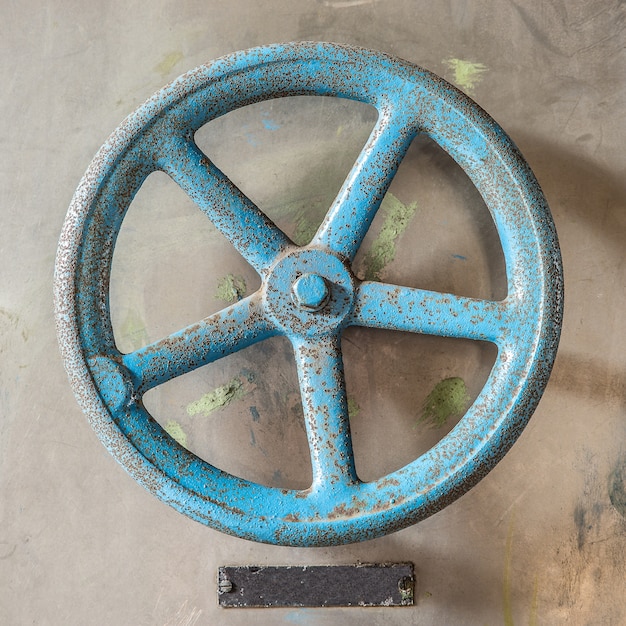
387 584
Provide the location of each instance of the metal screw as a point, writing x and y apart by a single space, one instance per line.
405 586
311 292
224 584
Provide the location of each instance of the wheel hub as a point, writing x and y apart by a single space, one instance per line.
310 292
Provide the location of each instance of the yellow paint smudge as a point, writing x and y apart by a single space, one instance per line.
305 230
176 432
168 62
353 407
466 73
134 330
383 250
506 583
218 398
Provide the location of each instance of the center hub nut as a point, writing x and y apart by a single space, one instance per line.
310 292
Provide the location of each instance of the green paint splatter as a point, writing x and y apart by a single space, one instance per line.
218 398
617 486
383 250
507 601
230 288
353 408
466 74
134 330
168 62
449 397
305 230
176 432
305 216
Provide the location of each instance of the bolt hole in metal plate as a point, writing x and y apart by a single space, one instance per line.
514 307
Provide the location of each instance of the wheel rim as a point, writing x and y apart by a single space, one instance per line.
338 508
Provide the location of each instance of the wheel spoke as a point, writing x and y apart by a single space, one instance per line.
380 305
322 386
359 198
216 336
252 233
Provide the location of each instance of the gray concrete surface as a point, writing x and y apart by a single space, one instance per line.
541 540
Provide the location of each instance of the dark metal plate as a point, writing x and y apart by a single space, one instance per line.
387 584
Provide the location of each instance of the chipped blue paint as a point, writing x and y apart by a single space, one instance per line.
338 507
270 124
255 414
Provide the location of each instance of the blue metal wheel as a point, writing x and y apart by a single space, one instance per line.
309 294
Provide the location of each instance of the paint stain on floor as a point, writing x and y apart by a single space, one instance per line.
506 578
176 432
353 407
448 398
305 230
168 62
617 486
218 398
466 73
230 288
255 414
397 216
270 124
133 330
534 602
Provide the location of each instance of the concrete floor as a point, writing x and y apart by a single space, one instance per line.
541 540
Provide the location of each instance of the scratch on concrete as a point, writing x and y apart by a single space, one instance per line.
506 579
344 4
185 616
